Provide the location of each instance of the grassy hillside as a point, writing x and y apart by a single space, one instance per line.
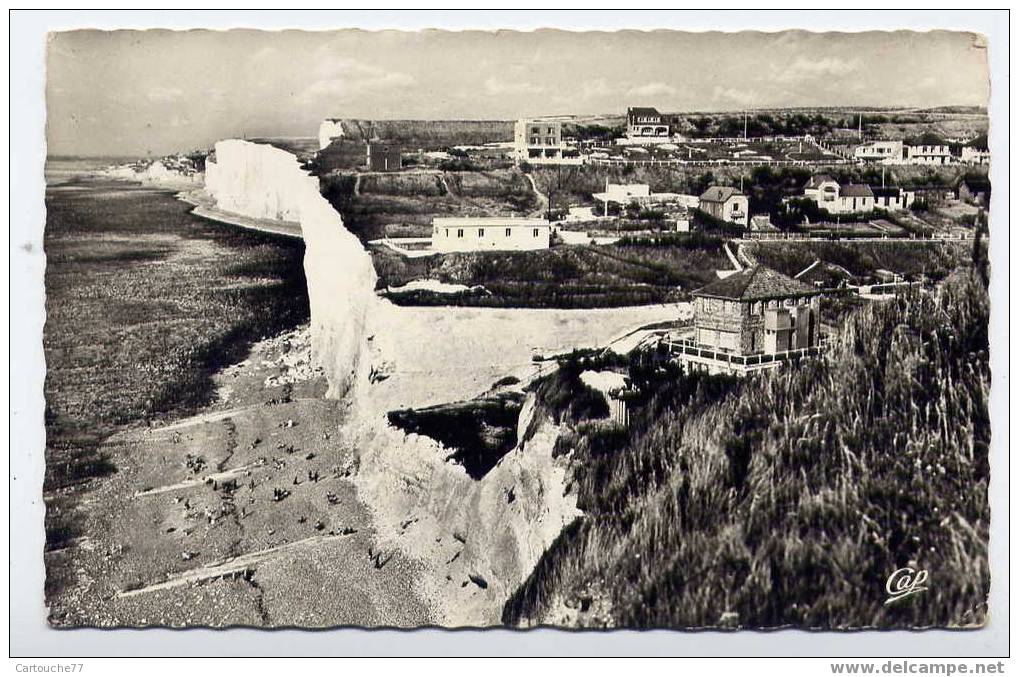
561 277
403 204
788 499
431 134
862 259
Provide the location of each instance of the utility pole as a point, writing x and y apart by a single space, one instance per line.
746 116
859 129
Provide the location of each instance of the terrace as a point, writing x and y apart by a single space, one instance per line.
722 360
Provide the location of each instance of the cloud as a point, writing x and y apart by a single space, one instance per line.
348 77
595 89
731 95
652 89
809 69
164 94
496 87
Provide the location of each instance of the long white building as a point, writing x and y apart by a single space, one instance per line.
471 234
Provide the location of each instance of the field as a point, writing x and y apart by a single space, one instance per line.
403 204
144 302
789 498
561 277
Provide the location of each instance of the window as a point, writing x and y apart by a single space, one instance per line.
481 232
447 232
459 232
508 232
535 232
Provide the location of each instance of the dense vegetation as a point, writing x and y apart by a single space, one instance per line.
933 260
789 498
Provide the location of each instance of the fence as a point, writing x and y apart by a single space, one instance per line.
688 347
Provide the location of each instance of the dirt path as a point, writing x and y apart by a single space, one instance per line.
542 198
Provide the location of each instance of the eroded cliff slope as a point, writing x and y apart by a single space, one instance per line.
264 182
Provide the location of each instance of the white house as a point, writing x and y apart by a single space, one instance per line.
726 204
975 156
885 152
893 199
469 234
928 155
838 199
640 193
538 139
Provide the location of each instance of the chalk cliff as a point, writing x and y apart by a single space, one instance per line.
264 182
327 131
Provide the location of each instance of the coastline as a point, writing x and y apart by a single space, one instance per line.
169 545
205 207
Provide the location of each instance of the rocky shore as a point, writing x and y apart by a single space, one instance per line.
246 514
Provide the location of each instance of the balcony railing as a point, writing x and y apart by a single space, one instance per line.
689 347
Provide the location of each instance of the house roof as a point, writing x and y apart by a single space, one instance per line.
816 181
719 194
886 192
856 190
756 283
642 111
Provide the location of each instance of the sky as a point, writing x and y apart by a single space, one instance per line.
160 91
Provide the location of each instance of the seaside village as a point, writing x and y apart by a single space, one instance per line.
750 317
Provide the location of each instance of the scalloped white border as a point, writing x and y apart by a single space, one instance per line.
31 636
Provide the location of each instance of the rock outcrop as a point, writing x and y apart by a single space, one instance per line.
264 182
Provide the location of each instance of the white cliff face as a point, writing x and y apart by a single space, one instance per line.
264 182
155 174
327 131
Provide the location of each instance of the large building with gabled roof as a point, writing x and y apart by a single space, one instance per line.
753 319
645 122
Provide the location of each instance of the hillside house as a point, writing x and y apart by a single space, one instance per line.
836 198
975 156
538 139
640 193
754 319
384 157
928 155
646 122
726 204
885 152
471 234
893 198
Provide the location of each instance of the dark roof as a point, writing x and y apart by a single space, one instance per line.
816 181
639 111
856 190
719 194
886 192
757 283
